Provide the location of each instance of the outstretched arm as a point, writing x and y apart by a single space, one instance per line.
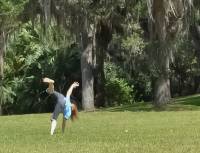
50 88
69 91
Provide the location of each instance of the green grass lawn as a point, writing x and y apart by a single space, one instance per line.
127 129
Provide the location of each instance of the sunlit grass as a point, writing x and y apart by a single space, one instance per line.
115 130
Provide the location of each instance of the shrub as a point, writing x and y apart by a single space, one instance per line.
118 90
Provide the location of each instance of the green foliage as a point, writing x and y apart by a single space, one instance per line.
118 90
134 44
27 61
11 7
22 67
6 92
130 54
9 12
143 86
34 52
185 68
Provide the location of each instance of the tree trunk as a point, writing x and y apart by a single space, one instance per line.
102 38
164 27
2 49
162 94
162 84
196 84
1 111
87 69
1 54
45 6
195 33
1 64
87 79
99 78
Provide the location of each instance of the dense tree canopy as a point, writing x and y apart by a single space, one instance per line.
121 51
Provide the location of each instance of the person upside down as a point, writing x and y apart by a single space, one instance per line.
63 104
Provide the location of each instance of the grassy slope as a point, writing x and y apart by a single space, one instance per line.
136 129
178 104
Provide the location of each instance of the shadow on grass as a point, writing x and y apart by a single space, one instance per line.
190 100
188 103
140 106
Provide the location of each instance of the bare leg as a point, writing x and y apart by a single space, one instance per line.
50 89
53 126
63 124
50 82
